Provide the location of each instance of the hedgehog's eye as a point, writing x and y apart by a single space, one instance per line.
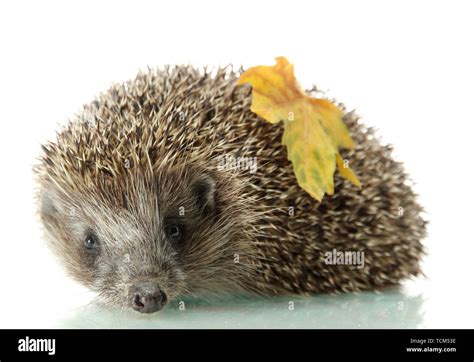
90 242
174 232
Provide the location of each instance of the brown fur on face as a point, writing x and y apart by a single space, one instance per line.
129 221
146 153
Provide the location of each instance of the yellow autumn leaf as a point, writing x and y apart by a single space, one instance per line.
314 128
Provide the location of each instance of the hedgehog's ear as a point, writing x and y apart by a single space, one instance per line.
50 209
204 188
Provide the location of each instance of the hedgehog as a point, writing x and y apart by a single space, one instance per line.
168 186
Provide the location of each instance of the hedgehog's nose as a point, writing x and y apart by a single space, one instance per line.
147 297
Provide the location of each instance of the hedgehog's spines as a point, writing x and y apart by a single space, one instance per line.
177 117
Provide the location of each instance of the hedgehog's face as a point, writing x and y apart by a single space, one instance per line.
145 243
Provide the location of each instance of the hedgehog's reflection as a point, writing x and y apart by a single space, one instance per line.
389 309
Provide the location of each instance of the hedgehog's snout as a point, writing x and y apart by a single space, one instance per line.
147 297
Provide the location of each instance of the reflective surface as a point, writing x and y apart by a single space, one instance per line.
390 309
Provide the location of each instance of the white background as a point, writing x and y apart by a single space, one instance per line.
406 66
